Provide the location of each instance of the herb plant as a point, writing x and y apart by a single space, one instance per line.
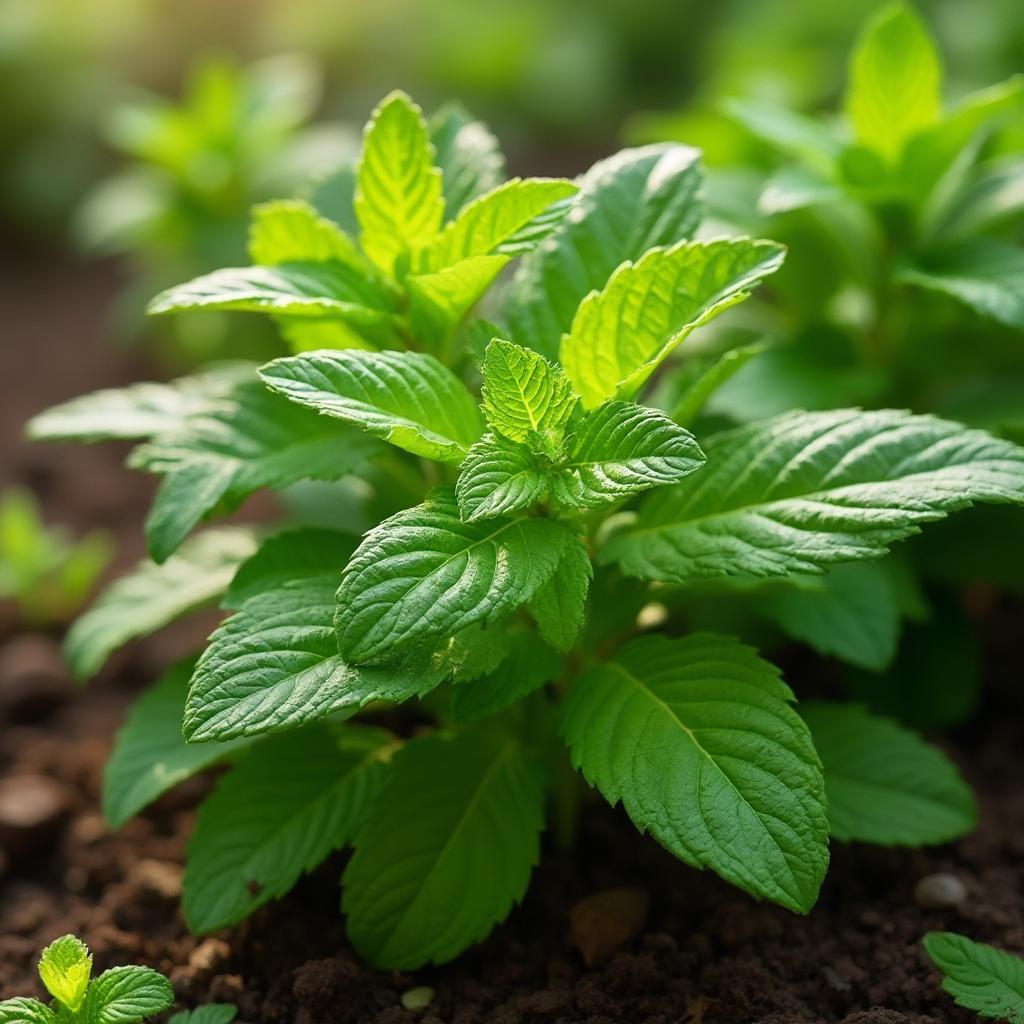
542 554
978 977
122 995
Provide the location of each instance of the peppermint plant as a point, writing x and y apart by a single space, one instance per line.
122 995
490 599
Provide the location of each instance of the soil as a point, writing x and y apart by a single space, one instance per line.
612 932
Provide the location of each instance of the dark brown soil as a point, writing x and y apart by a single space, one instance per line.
688 949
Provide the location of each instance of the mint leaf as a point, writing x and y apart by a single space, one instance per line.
697 739
895 81
884 783
150 756
431 877
525 396
796 493
277 814
64 967
291 231
153 595
497 223
423 575
211 1013
785 130
498 477
527 667
980 978
559 607
621 449
398 199
621 334
627 204
468 154
26 1011
406 398
248 440
714 375
125 995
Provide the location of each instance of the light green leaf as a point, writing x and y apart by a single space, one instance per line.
276 815
895 81
980 978
621 449
398 198
406 398
211 1013
560 606
983 273
627 204
423 575
26 1011
527 667
491 224
333 197
697 739
796 493
621 334
64 967
716 374
429 877
150 756
291 231
992 196
125 995
499 476
153 595
468 154
247 440
524 396
787 131
884 784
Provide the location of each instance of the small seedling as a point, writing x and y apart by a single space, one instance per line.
978 977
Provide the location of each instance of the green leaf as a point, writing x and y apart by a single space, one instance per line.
560 606
895 81
124 995
64 967
150 755
499 477
627 204
884 784
524 396
983 273
250 439
137 411
491 224
527 667
785 130
423 575
468 155
211 1013
286 557
275 665
25 1011
276 815
980 978
621 334
716 374
851 612
446 851
621 449
398 198
697 739
291 231
406 398
153 595
796 493
333 196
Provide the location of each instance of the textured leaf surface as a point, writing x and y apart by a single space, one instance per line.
429 877
468 155
25 1011
64 968
150 756
125 995
697 739
560 606
622 333
153 595
884 784
211 1013
423 575
627 204
291 231
801 491
407 398
980 978
398 197
498 477
276 815
895 81
621 449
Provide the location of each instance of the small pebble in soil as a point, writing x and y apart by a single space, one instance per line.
33 678
418 998
606 921
940 891
32 809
